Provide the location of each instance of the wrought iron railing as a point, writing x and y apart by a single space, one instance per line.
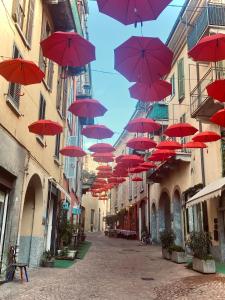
211 15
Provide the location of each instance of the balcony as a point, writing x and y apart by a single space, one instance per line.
213 15
203 106
164 170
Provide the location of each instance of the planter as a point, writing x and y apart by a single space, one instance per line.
166 254
48 263
178 257
72 254
204 266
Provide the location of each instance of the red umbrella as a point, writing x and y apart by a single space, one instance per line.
161 155
72 151
87 108
45 127
156 91
180 130
131 160
68 49
169 145
148 165
132 11
103 168
118 173
219 118
116 180
97 132
104 174
119 158
101 148
216 90
100 180
21 71
138 170
103 157
141 143
210 48
142 125
206 137
143 59
137 179
103 154
195 145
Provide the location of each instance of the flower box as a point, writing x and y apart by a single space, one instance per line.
204 266
166 254
178 257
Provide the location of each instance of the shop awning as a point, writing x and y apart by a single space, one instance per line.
211 191
62 190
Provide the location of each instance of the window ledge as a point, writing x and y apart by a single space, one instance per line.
56 161
181 99
40 141
24 39
13 107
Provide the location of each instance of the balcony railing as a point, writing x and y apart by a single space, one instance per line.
211 15
199 95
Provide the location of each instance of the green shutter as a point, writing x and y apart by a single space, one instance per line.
181 81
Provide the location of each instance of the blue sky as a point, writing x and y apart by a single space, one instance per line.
112 89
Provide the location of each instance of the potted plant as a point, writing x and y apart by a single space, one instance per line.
177 254
199 243
47 260
167 238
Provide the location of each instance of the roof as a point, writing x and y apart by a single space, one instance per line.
211 191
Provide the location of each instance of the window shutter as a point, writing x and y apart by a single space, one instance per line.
64 100
50 74
181 83
72 161
59 89
14 10
30 21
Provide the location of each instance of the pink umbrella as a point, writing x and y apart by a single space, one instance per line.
97 132
87 108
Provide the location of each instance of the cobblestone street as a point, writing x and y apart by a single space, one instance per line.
117 269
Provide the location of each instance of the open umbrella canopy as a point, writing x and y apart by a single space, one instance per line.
103 168
141 143
103 157
21 71
104 174
68 49
180 130
72 151
216 90
219 118
156 91
137 179
132 11
210 48
116 180
137 170
45 127
101 148
194 145
142 125
131 160
133 58
206 137
87 108
119 158
100 180
98 132
148 164
169 145
161 155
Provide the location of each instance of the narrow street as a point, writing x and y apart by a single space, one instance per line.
117 269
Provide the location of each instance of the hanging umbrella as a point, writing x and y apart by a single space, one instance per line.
143 59
137 179
148 165
206 137
219 118
68 49
161 155
132 11
104 174
216 90
142 125
156 91
97 132
195 145
101 148
116 180
72 151
180 130
103 157
119 158
100 180
141 143
45 127
21 71
169 145
137 170
210 48
118 173
103 154
87 108
131 160
103 168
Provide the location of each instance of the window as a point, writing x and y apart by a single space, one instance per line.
181 81
172 81
42 107
45 64
23 15
57 146
61 98
183 139
14 88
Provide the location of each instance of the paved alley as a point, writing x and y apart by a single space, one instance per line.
117 269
